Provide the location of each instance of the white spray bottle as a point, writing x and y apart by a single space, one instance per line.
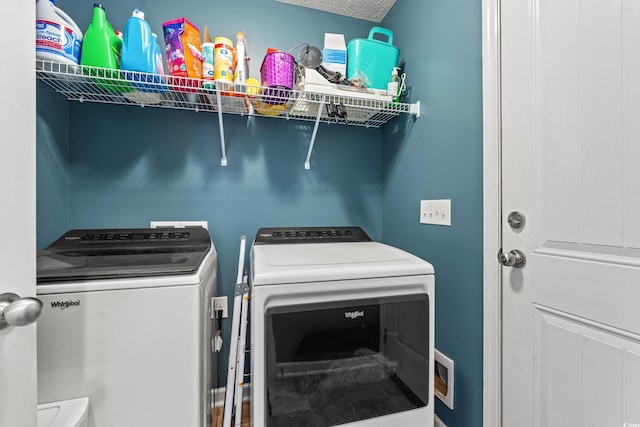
240 80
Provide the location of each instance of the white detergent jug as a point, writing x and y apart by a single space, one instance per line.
58 38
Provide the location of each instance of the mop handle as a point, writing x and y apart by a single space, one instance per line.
235 331
243 242
240 356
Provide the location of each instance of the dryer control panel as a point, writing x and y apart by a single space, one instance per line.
310 235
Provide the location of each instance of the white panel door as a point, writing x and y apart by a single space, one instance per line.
571 164
17 209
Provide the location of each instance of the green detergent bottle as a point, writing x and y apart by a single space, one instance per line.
101 48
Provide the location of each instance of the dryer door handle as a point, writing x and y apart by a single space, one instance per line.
16 311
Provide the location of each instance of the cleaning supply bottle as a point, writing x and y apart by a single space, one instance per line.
393 87
102 48
58 37
157 52
140 54
207 59
240 77
223 60
137 49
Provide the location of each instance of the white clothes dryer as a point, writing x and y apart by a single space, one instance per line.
342 330
127 323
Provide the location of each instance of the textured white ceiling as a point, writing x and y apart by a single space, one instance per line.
370 10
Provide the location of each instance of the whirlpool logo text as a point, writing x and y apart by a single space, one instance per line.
353 314
63 305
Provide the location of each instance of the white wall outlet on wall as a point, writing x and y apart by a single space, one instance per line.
436 212
180 224
219 303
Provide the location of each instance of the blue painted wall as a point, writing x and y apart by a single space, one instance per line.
52 165
128 165
440 157
116 166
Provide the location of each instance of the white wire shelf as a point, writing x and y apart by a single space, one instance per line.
108 86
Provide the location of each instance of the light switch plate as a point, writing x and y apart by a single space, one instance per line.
179 224
436 212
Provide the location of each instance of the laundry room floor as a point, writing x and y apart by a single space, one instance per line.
218 413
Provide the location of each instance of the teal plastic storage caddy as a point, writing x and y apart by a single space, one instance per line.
371 61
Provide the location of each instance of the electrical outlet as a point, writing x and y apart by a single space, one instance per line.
180 224
436 212
220 303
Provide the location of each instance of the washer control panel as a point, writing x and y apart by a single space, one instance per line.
133 240
132 236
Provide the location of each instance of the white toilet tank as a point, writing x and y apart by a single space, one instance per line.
65 413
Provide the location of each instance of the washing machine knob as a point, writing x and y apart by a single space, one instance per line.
16 311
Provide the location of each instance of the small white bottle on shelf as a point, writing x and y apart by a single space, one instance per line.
393 87
240 78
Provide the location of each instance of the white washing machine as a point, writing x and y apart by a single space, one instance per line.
127 323
341 330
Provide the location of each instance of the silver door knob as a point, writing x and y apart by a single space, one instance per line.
16 311
513 258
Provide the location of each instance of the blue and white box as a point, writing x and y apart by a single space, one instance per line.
334 54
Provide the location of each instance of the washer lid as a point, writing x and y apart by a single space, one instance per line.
114 253
318 262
